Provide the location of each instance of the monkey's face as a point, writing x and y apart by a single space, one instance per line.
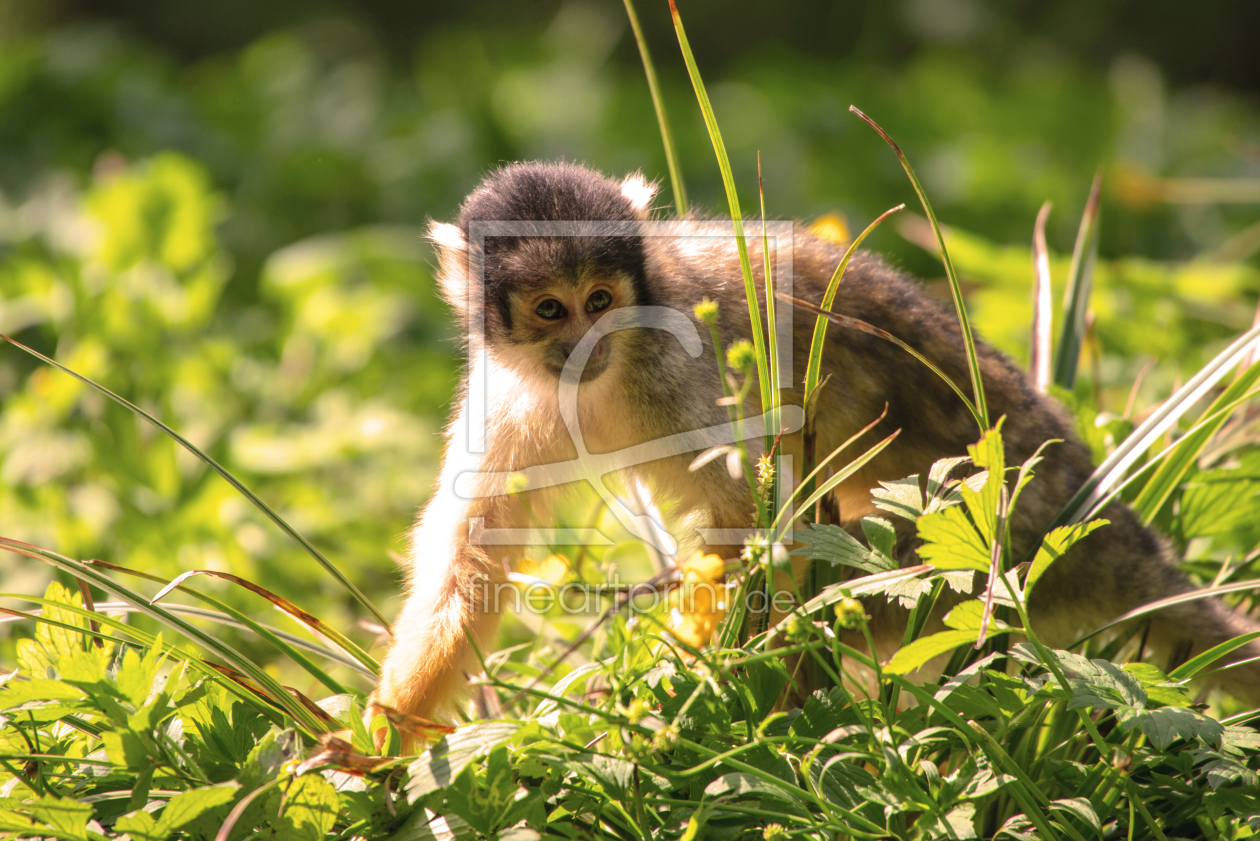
548 322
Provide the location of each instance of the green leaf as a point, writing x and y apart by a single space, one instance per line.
141 826
135 676
821 713
908 591
18 692
737 786
1053 547
1101 684
1222 502
950 541
1167 724
966 616
310 809
902 497
127 749
881 535
1081 808
66 816
1159 687
185 808
912 656
441 764
52 642
987 453
836 546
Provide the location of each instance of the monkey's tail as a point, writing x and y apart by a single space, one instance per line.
1191 628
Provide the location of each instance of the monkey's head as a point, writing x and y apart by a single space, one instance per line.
540 252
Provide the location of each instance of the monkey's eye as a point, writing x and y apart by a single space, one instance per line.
550 309
599 300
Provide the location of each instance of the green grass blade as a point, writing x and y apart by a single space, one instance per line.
857 324
955 289
662 119
1043 315
314 623
772 350
768 398
808 480
1080 285
814 365
246 621
1160 604
218 468
1194 665
1165 480
134 636
1208 418
292 707
1111 472
839 476
223 618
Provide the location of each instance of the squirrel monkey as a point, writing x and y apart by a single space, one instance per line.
531 290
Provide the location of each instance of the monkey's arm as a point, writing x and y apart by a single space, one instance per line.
452 589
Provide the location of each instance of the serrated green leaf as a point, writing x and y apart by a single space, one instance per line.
908 591
126 749
57 640
183 809
1159 687
66 815
959 580
141 826
902 497
310 809
18 692
1102 685
881 535
1054 545
1167 724
737 786
987 453
950 541
136 674
836 546
441 764
966 616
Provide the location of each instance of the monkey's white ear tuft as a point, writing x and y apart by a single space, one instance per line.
452 273
447 236
637 189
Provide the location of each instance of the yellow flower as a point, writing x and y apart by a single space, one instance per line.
554 569
831 227
700 603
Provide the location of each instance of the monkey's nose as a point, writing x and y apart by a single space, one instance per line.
598 352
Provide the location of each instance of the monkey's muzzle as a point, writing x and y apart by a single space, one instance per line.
595 365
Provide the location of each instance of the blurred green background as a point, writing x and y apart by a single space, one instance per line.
216 209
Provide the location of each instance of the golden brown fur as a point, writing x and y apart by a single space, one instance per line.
647 387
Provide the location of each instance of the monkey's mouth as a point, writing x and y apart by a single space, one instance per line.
595 365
